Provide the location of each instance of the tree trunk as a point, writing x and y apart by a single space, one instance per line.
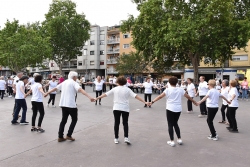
60 69
195 63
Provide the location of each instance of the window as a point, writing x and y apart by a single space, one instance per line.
101 62
92 63
125 46
92 52
101 52
79 63
86 43
240 58
92 32
85 52
92 42
125 35
102 42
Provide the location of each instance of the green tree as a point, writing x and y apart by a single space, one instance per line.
22 46
67 30
190 31
133 63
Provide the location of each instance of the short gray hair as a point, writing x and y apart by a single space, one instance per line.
72 74
226 82
35 74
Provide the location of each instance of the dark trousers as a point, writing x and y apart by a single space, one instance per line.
135 89
203 107
210 117
65 114
14 104
173 118
231 112
223 108
147 96
52 98
20 103
10 90
37 107
189 105
104 87
117 115
110 86
98 93
83 86
2 93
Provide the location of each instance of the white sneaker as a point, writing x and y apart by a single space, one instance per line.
171 143
10 96
47 105
126 140
179 141
188 112
201 116
53 106
213 138
211 135
116 141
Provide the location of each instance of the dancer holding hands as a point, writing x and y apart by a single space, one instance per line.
173 108
212 98
121 106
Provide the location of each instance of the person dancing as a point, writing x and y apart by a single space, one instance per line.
173 108
37 103
52 84
212 98
191 92
224 92
121 106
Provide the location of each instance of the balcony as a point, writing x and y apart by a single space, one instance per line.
114 51
113 41
111 61
112 71
114 30
69 66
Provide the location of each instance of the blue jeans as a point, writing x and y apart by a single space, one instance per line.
20 103
244 93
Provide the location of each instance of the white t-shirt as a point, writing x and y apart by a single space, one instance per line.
114 81
83 79
32 81
52 85
121 97
2 84
148 87
111 80
190 89
19 94
218 87
69 89
174 96
203 88
36 94
224 92
183 86
213 98
234 103
10 82
98 85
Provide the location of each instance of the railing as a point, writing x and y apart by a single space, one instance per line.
113 41
111 61
113 51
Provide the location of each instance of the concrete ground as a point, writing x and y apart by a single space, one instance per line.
148 132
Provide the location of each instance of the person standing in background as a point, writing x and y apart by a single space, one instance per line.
110 82
202 91
2 87
83 82
114 82
10 83
244 88
61 79
16 80
191 92
104 84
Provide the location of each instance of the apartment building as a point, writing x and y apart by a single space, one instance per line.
93 62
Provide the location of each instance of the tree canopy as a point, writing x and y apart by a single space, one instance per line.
67 30
190 31
133 63
22 46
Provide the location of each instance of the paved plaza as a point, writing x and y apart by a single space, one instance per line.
148 132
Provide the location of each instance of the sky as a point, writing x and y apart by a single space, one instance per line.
100 12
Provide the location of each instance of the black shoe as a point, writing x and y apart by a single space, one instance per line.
229 128
100 104
24 123
233 130
95 103
33 129
15 123
149 106
145 106
40 130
